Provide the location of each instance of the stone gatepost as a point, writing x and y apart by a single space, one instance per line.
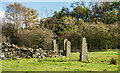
84 51
68 50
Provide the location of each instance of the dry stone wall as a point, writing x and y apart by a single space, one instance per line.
15 52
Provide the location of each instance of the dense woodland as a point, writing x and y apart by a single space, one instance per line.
98 22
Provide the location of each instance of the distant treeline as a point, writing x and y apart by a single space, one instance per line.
98 22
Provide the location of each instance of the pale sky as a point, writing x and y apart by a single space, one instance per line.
1 14
44 8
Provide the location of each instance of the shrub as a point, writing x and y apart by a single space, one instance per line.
36 38
9 33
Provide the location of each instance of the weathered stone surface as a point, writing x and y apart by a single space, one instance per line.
45 54
55 45
35 59
24 48
2 55
6 49
31 50
16 58
23 52
68 51
84 51
65 42
28 57
56 55
38 54
37 50
40 49
42 56
13 45
34 56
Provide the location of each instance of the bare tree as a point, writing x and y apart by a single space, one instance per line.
20 16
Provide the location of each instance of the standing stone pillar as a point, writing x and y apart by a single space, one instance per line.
55 45
65 41
68 51
84 51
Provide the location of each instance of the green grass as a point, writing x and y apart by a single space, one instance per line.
100 61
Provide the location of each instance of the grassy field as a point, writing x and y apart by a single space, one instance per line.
99 62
